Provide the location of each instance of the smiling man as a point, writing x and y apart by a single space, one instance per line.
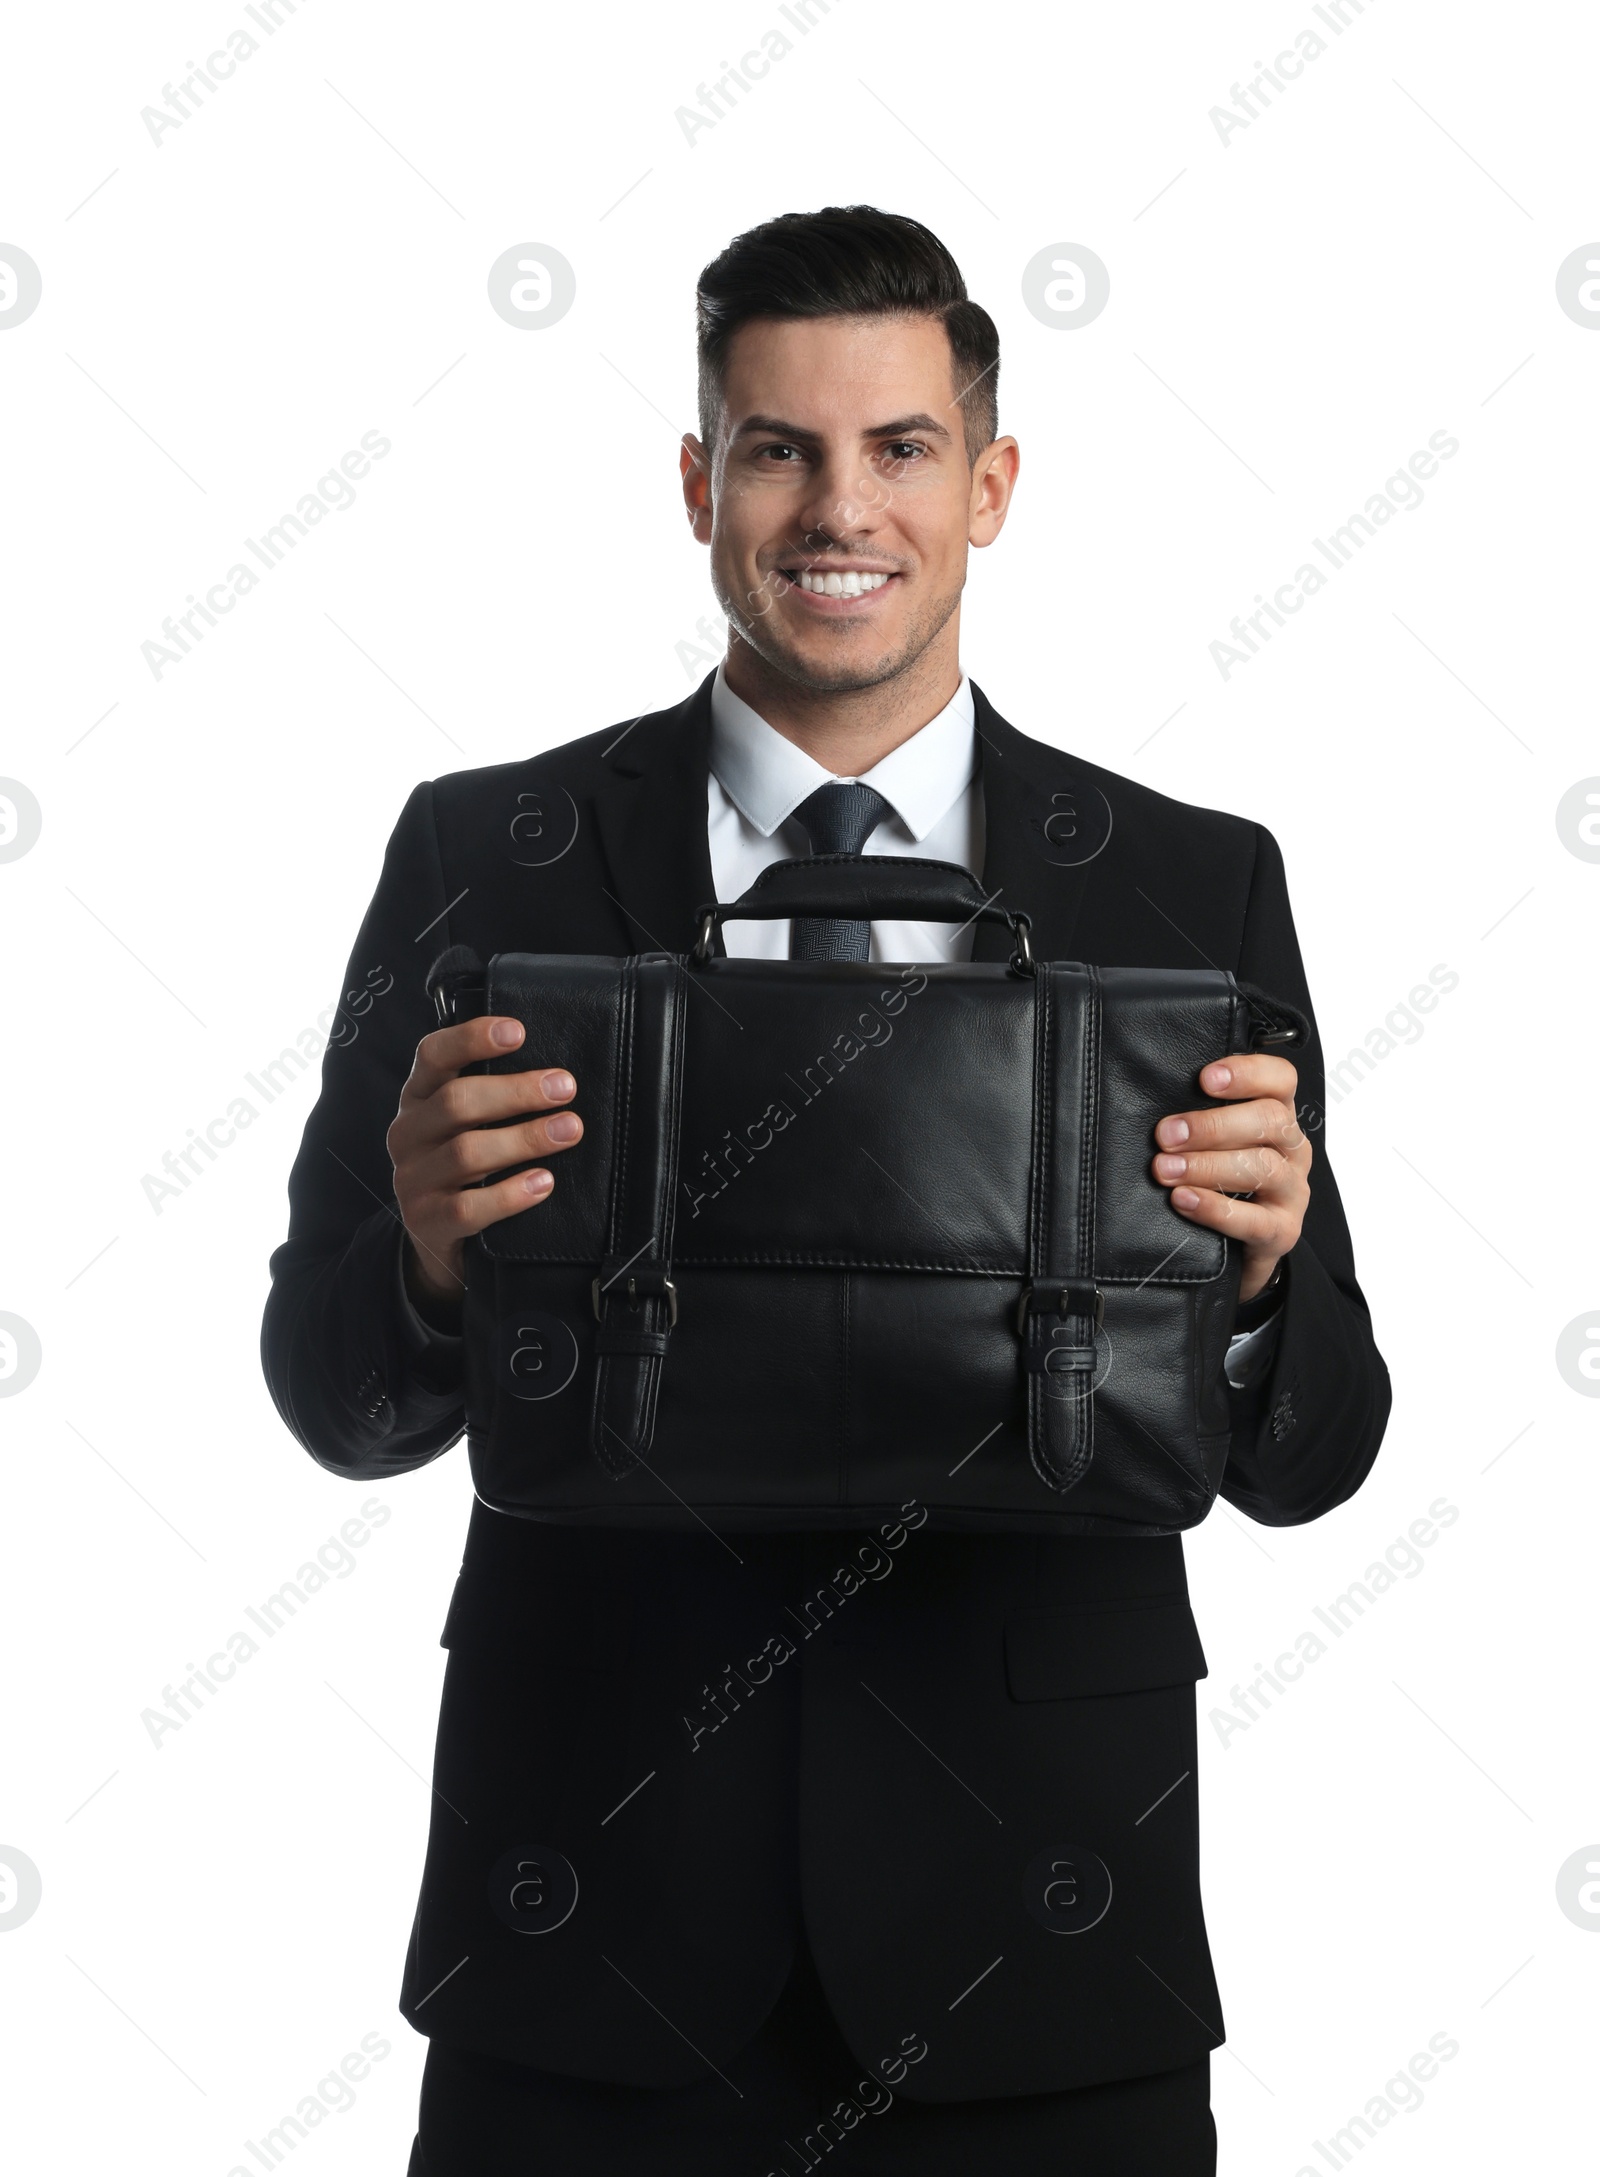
740 1858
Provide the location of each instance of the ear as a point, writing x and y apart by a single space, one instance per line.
994 478
694 466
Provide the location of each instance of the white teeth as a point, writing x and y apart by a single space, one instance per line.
840 585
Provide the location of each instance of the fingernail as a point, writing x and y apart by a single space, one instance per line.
1185 1198
506 1033
1172 1167
1221 1077
537 1182
557 1086
1172 1131
565 1126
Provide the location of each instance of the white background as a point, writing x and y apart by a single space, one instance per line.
1292 314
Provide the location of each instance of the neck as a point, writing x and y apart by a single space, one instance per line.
848 730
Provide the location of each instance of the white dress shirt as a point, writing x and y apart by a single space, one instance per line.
934 789
758 780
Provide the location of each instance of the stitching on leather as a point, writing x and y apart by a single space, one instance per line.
1089 1163
901 861
966 1266
844 1389
604 1374
1044 1141
667 1198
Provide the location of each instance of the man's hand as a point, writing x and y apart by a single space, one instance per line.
445 1138
1253 1149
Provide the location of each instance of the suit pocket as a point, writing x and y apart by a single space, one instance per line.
1102 1648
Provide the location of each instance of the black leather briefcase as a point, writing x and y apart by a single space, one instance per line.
839 1237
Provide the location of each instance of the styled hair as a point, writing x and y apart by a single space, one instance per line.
848 260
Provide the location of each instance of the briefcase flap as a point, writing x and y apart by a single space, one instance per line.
866 1117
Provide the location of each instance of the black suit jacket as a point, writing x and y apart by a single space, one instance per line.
931 1762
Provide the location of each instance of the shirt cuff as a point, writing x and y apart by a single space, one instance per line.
1250 1352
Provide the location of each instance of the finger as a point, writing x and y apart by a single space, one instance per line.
447 1050
1233 1126
488 1099
462 1159
1250 1073
1256 1170
472 1209
1250 1222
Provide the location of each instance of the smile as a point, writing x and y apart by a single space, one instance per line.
840 583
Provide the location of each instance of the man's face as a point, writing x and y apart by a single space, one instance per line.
838 503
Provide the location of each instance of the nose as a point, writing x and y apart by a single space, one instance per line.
845 503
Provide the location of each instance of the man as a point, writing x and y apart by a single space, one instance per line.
773 1918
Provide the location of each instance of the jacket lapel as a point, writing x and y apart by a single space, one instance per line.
652 824
1044 826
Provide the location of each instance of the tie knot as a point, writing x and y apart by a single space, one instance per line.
841 817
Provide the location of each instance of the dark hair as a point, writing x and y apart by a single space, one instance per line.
848 260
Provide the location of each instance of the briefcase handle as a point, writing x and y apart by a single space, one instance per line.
865 888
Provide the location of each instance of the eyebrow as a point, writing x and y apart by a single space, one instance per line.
900 427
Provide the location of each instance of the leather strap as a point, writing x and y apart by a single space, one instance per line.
1060 1308
635 1302
863 888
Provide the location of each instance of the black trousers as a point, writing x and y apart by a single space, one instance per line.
481 2117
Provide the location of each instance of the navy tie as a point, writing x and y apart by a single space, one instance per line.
838 818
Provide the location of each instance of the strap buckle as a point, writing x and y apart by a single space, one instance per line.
658 1286
1062 1297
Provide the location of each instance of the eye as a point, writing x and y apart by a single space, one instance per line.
781 454
903 450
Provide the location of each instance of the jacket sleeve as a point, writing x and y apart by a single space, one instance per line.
1307 1428
366 1385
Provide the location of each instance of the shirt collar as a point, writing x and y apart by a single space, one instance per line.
767 777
